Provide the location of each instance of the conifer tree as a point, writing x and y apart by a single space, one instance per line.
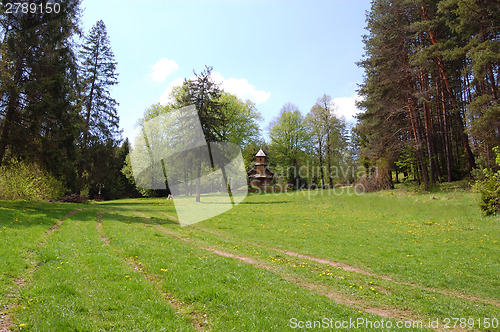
99 110
38 117
98 70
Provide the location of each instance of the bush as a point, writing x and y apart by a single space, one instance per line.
490 190
23 180
377 180
490 195
73 198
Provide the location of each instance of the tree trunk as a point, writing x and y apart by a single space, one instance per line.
328 157
445 133
418 141
321 166
428 131
198 179
463 135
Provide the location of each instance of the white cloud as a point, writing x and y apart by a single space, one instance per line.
162 68
240 87
346 107
165 97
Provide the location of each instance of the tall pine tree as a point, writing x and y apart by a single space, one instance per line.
99 109
38 117
98 75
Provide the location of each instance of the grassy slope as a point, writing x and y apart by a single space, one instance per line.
444 243
129 274
23 226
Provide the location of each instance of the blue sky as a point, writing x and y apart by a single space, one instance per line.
271 52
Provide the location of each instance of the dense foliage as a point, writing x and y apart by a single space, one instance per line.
490 189
57 118
430 101
29 181
431 87
39 118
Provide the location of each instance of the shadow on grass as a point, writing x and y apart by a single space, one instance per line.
141 220
17 214
265 203
22 214
138 201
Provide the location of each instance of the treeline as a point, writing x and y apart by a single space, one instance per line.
430 89
430 101
57 117
223 118
304 151
311 151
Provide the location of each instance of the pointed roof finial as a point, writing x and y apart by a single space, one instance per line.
260 153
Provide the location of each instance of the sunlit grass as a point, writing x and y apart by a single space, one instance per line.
427 255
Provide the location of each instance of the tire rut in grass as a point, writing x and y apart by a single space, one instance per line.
357 304
370 274
180 307
6 323
339 298
104 237
58 224
355 269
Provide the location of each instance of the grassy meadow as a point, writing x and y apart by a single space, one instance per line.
273 262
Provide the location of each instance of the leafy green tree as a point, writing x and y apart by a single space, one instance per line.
205 94
241 126
107 172
475 26
328 138
223 117
289 141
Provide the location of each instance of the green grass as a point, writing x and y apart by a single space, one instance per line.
23 225
419 256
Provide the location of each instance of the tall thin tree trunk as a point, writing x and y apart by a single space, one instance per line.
418 141
445 133
428 131
321 166
328 157
198 184
456 113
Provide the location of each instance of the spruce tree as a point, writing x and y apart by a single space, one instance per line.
98 71
99 110
38 117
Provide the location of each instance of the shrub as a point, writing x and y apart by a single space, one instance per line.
24 180
73 198
378 179
490 190
371 183
490 195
